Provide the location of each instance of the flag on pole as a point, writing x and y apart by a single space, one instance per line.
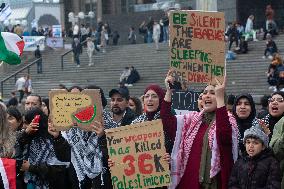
8 173
5 12
11 48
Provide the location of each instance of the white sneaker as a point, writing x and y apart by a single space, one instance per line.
272 88
263 57
130 85
91 64
78 66
270 57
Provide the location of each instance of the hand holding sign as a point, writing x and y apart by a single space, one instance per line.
98 128
52 130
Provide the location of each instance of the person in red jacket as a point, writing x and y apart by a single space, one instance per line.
205 146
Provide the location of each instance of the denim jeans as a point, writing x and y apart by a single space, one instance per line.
166 33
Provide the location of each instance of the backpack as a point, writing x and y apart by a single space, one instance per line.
230 55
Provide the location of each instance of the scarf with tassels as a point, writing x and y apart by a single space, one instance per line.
187 128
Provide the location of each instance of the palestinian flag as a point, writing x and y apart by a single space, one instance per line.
8 173
11 48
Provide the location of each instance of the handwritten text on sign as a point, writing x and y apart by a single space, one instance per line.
137 151
80 108
197 45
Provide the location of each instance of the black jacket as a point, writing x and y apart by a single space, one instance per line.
259 172
43 170
128 117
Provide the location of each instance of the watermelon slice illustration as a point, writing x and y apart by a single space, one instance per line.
87 115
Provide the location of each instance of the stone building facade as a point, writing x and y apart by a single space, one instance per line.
235 10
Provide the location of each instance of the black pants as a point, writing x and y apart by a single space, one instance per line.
231 42
22 93
39 66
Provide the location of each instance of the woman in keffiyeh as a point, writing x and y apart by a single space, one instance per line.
85 150
153 97
35 149
206 143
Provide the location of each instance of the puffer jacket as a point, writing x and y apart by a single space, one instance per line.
277 144
259 172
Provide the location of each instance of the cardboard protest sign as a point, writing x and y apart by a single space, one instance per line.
185 101
137 151
197 46
75 109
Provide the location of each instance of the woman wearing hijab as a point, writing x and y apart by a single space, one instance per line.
276 112
35 148
205 145
153 97
244 112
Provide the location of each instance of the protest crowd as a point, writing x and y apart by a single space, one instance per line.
226 142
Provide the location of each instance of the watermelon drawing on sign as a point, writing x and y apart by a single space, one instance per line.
87 115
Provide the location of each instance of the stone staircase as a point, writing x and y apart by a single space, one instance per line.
245 74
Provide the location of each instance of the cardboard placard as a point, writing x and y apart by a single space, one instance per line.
197 46
137 151
68 109
185 100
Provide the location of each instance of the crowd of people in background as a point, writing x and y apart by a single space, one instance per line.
236 134
226 143
241 36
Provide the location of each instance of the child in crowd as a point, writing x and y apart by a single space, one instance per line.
258 168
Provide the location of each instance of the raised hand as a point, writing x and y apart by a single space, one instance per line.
51 130
220 92
169 79
264 127
32 127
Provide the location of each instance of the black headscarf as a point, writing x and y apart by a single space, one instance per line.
43 122
269 119
244 124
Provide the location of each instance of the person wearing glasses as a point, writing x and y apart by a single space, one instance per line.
276 112
244 112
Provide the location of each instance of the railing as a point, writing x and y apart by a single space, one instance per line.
63 55
27 67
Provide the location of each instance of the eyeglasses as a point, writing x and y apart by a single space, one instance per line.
270 100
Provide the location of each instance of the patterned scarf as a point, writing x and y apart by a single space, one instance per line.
144 117
187 128
86 155
41 151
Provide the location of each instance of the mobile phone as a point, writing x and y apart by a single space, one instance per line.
36 119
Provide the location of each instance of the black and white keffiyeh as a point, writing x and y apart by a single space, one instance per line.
144 117
41 151
86 155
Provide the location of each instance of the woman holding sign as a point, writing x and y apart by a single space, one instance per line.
153 97
206 144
